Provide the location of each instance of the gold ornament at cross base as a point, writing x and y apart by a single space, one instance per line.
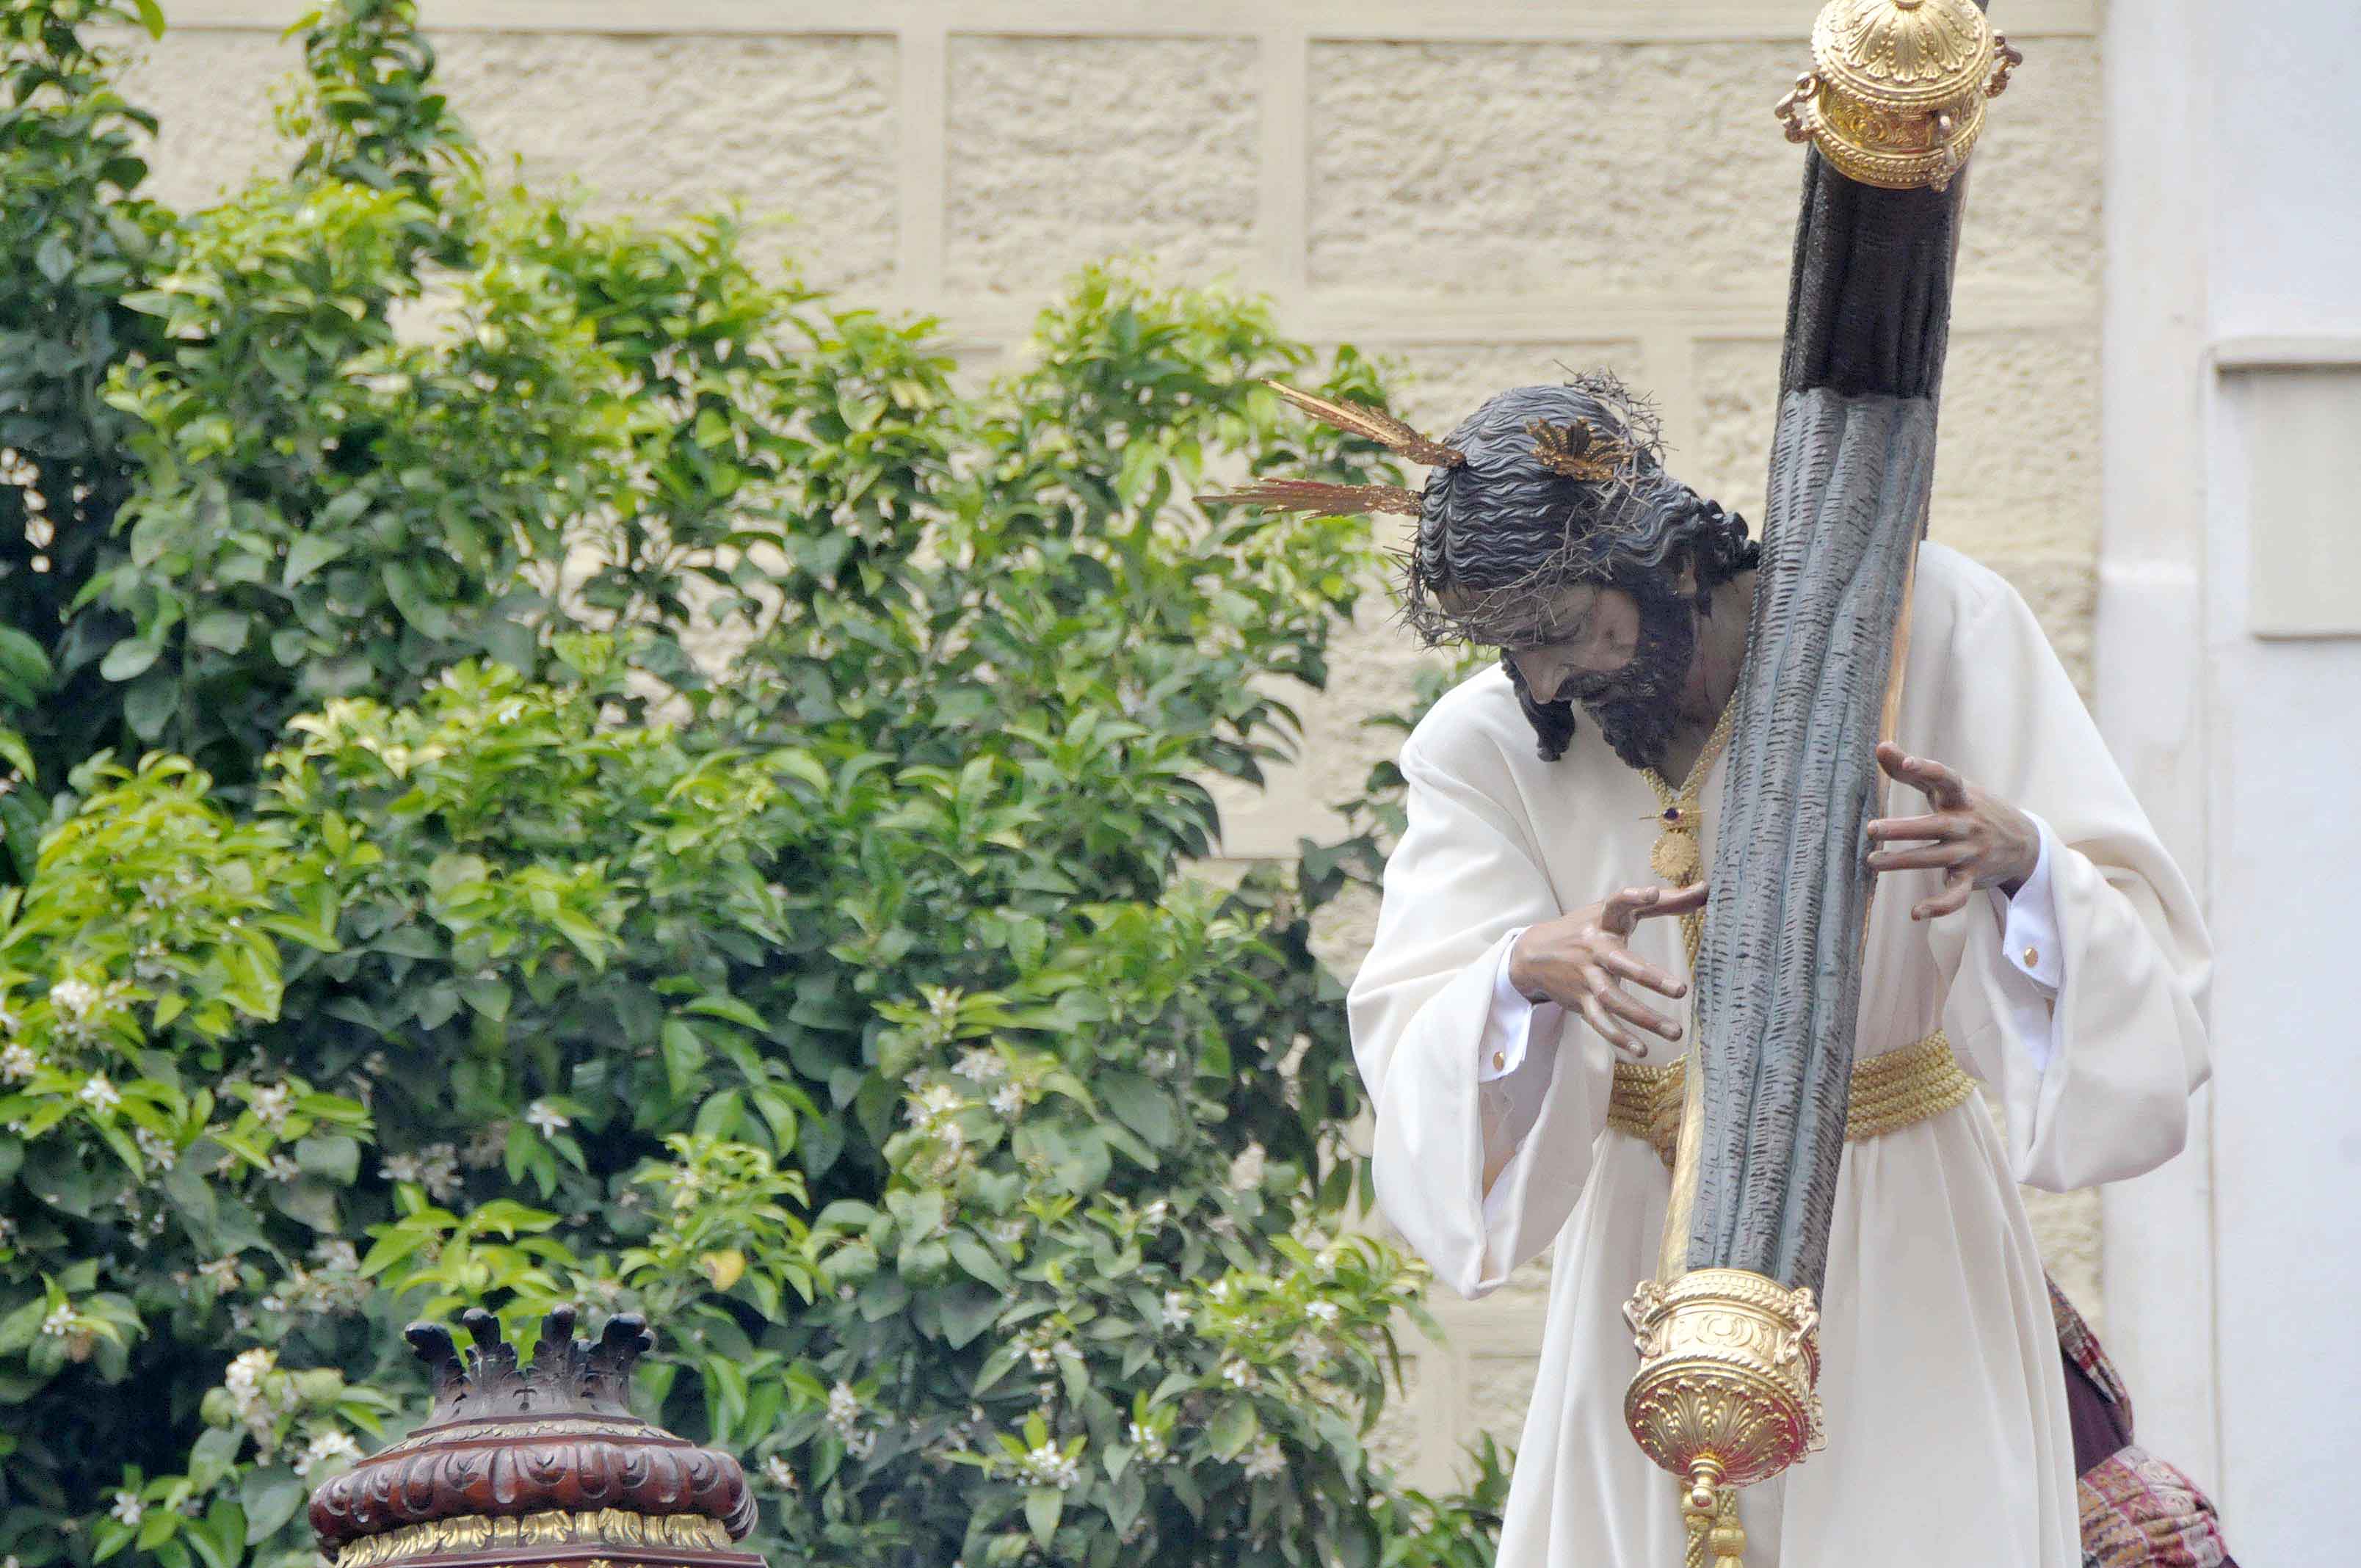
1896 95
1726 1391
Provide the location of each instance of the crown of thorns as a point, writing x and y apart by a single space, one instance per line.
1617 460
1577 449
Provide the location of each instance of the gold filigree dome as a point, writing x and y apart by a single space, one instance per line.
1896 95
1901 51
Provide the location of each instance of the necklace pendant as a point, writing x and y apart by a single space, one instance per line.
1677 858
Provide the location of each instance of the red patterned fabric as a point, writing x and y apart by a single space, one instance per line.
2137 1511
2140 1512
2081 1348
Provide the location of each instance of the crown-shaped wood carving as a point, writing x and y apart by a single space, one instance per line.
566 1374
540 1462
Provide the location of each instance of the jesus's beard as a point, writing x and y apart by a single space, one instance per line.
1638 707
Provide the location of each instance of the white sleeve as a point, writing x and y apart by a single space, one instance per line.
1463 878
1514 1061
2093 1043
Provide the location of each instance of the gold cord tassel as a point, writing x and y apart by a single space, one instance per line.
1715 1538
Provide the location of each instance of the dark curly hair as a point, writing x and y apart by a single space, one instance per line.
1500 534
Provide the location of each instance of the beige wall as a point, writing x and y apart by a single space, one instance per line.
1483 189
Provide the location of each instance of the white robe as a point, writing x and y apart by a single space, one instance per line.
1947 1439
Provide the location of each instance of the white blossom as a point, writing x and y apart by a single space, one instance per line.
1149 1441
779 1473
222 1274
859 1445
99 1094
1156 1213
486 1146
17 1063
337 1254
1177 1311
547 1118
1238 1374
271 1106
74 998
438 1169
326 1446
844 1406
59 1322
1322 1311
244 1379
1046 1466
1265 1460
982 1065
128 1507
942 1023
330 1289
159 1149
1039 1355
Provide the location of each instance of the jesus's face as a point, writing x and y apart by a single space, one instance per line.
1626 652
1582 645
1584 635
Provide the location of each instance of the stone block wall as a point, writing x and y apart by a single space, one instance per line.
1483 190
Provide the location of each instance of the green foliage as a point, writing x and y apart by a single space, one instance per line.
160 1170
1457 1531
79 241
652 794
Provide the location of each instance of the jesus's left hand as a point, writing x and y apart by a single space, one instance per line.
1975 838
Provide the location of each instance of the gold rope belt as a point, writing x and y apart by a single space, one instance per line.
1889 1092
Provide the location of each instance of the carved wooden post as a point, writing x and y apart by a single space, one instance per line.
536 1464
1726 1332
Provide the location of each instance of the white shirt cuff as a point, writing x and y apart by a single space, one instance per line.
1509 1026
2030 944
2029 938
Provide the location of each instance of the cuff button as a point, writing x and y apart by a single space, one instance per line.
2032 957
1499 1061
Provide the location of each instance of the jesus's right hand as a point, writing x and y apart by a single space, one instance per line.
1580 961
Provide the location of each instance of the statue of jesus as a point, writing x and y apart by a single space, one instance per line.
1517 1019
